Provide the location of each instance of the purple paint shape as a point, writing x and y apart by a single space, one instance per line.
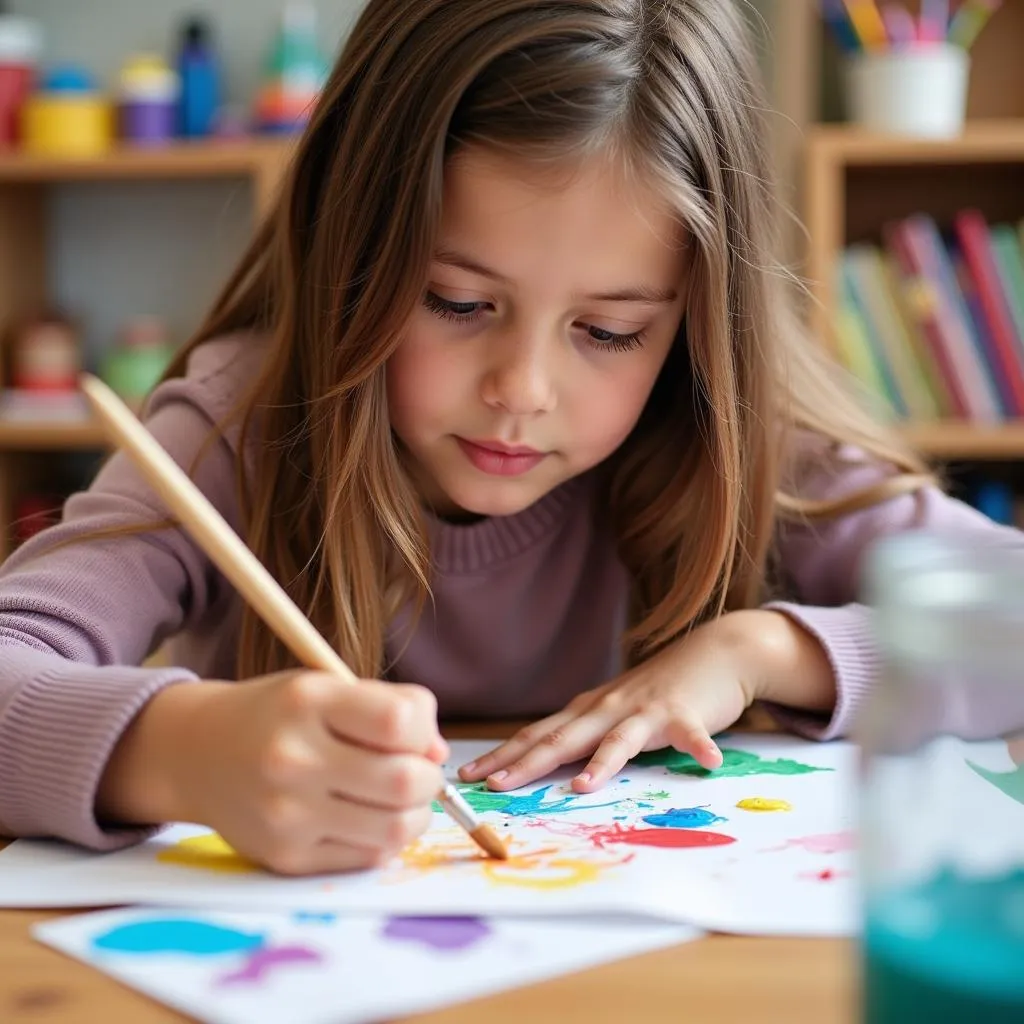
441 933
263 961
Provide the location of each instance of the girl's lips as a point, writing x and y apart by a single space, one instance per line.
500 462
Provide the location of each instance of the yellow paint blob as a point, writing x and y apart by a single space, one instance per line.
207 853
541 871
763 803
544 869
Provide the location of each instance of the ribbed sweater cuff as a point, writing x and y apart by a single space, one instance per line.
58 734
848 640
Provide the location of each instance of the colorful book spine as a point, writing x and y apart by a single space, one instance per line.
856 288
1010 265
972 371
868 268
916 335
1000 337
922 297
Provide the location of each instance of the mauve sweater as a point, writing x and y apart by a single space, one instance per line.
528 609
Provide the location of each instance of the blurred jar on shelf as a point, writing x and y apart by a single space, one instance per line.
67 117
46 355
148 101
135 364
20 47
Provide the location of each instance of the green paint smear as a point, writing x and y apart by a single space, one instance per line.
735 764
1011 783
656 794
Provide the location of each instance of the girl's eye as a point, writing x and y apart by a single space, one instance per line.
446 309
599 338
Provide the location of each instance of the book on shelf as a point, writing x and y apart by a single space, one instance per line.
931 321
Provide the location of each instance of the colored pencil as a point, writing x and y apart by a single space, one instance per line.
250 577
934 21
836 18
971 17
867 23
900 26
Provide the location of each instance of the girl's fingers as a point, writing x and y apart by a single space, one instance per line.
687 734
562 745
507 752
624 742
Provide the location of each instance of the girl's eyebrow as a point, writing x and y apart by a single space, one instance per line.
648 296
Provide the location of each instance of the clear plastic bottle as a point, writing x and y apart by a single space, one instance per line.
943 823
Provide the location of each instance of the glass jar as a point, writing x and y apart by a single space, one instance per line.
942 811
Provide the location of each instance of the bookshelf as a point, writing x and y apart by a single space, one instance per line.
856 182
853 182
26 188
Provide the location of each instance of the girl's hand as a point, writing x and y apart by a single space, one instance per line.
298 771
679 698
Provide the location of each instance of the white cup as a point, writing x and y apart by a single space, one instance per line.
918 91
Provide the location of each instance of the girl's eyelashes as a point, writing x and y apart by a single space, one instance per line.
599 338
467 312
446 309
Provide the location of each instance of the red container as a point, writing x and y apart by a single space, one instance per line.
20 46
15 86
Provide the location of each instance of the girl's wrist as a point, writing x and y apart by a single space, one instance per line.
146 778
778 660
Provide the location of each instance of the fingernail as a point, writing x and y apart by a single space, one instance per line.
498 776
584 777
471 767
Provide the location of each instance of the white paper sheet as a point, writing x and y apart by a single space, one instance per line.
718 865
315 968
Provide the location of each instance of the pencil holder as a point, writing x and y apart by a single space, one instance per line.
916 91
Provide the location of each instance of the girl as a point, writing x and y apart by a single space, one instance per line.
510 396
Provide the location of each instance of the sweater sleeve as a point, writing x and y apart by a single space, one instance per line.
76 622
822 561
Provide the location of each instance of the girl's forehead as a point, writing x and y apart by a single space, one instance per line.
591 207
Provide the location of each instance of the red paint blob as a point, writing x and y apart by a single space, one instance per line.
666 838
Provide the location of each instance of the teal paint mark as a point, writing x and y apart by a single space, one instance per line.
646 806
1011 783
684 817
736 764
177 935
482 799
623 781
619 817
314 917
656 794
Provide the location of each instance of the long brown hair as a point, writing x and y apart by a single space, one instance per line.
696 491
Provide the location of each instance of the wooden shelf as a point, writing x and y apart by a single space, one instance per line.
229 158
968 441
31 435
982 142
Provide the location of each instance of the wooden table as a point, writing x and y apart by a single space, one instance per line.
719 980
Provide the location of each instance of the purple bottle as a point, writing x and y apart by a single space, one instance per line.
148 101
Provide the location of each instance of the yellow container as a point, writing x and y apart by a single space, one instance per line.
67 125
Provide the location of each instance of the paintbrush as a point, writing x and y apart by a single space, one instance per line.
250 577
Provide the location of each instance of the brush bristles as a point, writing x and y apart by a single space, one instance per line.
487 839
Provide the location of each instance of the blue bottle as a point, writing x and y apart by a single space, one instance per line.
200 80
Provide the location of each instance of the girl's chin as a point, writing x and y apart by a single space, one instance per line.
491 500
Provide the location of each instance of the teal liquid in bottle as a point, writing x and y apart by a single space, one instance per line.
948 952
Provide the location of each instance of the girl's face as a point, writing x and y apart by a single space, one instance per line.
548 312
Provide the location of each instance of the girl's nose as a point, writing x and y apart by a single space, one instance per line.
521 380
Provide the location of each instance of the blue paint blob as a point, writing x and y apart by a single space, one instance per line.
177 935
683 817
640 803
623 781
